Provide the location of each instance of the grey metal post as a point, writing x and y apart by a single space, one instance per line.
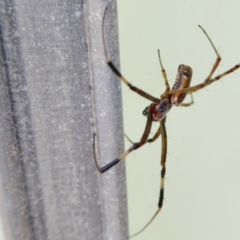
55 92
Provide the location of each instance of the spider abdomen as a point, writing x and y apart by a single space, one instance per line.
182 81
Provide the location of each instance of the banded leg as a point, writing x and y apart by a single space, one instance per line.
116 71
134 146
209 79
163 171
150 140
157 134
218 56
163 73
204 84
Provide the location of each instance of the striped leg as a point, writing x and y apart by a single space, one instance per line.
157 134
163 171
218 57
121 77
209 79
163 72
204 84
150 140
134 146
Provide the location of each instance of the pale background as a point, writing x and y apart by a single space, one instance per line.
202 197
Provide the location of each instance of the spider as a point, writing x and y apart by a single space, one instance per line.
158 109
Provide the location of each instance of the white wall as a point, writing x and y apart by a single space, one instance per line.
202 197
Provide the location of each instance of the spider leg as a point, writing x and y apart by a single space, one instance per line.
163 171
132 148
116 71
189 103
157 134
126 136
209 79
150 140
163 72
204 84
218 56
